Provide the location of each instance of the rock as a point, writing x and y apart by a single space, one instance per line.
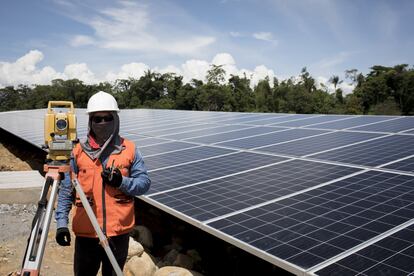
143 235
184 261
135 248
194 254
170 257
175 271
140 266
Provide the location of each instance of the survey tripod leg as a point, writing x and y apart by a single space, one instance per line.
40 225
102 238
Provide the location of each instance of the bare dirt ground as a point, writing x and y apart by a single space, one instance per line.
16 220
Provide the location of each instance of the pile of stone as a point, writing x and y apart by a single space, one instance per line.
140 262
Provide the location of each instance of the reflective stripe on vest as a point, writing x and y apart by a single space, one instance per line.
119 209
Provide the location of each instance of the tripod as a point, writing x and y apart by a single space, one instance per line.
40 226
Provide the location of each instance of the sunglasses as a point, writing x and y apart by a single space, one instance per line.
98 119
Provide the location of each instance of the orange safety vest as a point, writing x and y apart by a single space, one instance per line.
113 209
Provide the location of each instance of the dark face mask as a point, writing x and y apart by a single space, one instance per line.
102 130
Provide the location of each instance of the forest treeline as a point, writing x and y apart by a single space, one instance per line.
384 90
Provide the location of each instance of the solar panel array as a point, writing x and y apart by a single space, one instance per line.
313 194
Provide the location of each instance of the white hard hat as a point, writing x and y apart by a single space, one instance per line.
102 101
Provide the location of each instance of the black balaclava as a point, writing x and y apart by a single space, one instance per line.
105 132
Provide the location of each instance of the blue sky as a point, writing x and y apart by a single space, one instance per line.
97 40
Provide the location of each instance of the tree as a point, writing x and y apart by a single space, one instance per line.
216 74
242 94
263 94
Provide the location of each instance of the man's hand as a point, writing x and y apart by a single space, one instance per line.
63 236
114 179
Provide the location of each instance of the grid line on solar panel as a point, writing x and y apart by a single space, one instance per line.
319 143
183 156
144 142
313 120
215 167
200 133
408 132
277 119
237 192
338 120
372 153
392 255
176 130
393 125
232 135
257 141
165 147
405 164
356 121
315 226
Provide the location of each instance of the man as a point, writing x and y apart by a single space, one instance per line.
111 172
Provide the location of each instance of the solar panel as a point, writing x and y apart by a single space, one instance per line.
204 132
272 138
278 119
403 165
397 125
352 122
312 120
319 143
392 255
373 153
292 189
247 132
164 147
182 156
233 193
180 176
315 226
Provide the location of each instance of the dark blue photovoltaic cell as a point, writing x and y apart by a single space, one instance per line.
319 143
230 194
164 147
143 142
182 156
313 120
210 139
202 132
356 121
179 176
317 225
373 153
393 255
404 165
397 125
272 138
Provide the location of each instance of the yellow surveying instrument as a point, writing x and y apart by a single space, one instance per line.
60 137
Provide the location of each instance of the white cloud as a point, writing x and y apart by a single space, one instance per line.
265 36
81 40
24 70
130 27
235 34
131 70
80 71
